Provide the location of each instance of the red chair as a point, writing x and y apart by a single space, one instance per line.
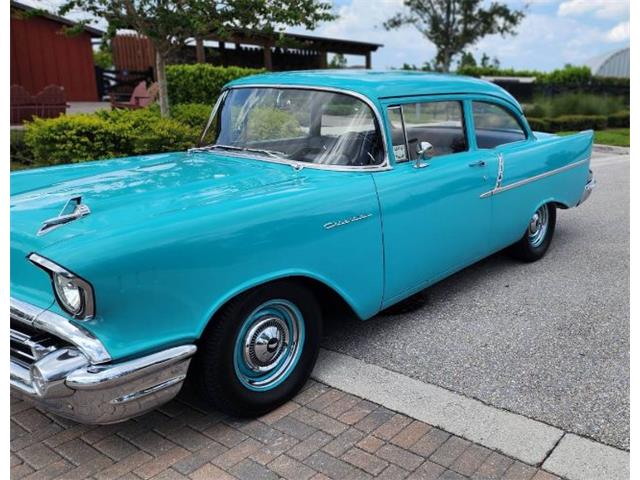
139 98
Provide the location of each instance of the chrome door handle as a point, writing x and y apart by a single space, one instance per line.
479 163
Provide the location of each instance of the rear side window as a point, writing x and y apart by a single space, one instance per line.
495 125
439 123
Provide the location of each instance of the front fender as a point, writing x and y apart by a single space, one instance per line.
160 283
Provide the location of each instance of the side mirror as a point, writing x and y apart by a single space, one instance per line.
424 150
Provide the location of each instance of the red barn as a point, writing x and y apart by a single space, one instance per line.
41 54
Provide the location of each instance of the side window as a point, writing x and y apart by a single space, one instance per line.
439 123
494 125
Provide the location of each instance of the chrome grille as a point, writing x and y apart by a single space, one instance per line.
28 344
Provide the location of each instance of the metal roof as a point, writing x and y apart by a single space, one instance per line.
612 64
94 32
381 84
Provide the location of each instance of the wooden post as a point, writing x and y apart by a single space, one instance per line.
368 61
268 63
200 51
323 59
223 53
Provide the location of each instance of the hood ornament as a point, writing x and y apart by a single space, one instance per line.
72 210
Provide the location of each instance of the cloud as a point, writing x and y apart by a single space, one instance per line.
605 9
619 33
362 20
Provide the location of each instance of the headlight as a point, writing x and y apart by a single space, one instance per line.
73 293
68 293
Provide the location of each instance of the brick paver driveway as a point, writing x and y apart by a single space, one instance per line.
323 433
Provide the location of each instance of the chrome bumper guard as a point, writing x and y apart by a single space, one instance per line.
69 379
588 188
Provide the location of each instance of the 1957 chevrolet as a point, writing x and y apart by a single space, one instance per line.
309 189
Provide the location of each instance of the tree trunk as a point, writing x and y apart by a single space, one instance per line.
162 82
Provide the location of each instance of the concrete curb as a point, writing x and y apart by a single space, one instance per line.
520 437
599 148
578 458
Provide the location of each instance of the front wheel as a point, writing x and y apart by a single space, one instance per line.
260 349
537 238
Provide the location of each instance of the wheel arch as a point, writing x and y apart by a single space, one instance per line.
328 294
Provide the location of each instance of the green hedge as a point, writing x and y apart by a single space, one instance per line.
577 122
201 82
107 134
566 123
619 120
538 124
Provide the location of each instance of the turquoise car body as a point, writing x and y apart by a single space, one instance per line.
172 237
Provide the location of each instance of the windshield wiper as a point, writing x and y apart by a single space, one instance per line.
269 153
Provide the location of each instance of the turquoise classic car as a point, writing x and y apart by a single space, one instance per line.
309 189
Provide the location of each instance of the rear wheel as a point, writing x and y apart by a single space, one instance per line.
260 349
537 238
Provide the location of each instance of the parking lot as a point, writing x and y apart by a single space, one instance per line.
548 340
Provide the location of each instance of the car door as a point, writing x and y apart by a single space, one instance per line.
500 129
434 219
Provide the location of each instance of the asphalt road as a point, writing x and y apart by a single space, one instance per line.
548 340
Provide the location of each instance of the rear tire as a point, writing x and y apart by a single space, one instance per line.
538 235
259 350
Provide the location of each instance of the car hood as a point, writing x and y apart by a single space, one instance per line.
125 192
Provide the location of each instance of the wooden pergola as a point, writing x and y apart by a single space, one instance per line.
291 43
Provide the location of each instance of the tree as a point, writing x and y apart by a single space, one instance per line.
466 60
338 61
169 24
454 25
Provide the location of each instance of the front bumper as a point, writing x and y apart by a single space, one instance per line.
588 188
75 378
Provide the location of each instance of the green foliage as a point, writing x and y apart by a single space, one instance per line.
103 59
194 115
577 122
575 104
106 134
619 119
338 61
266 123
19 152
538 124
454 25
201 83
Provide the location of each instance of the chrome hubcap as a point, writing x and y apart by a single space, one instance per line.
265 342
538 226
268 345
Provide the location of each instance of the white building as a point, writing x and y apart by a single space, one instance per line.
611 64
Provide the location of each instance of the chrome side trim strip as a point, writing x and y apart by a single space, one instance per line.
540 176
57 325
385 165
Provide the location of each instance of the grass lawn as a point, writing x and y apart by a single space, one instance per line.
618 137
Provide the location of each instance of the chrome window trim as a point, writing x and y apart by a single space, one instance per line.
88 300
55 324
384 166
524 181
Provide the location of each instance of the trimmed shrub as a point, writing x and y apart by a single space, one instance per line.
577 122
105 134
201 82
538 124
194 115
19 152
619 120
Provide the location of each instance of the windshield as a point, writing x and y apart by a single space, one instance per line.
295 124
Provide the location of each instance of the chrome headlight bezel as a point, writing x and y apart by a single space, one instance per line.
86 310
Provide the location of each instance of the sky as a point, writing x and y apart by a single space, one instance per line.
553 33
